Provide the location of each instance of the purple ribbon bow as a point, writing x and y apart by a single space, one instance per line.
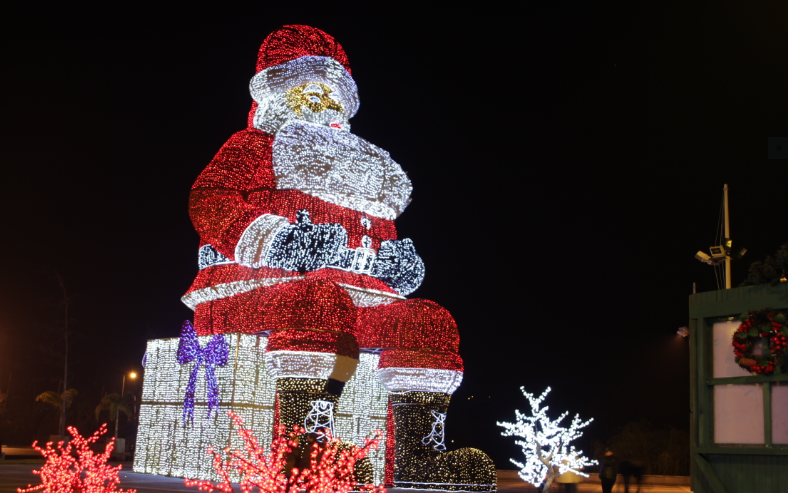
215 353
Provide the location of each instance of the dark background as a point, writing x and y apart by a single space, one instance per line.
567 162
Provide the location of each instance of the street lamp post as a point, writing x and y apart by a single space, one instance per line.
117 408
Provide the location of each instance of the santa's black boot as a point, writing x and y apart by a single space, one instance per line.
312 403
416 425
307 402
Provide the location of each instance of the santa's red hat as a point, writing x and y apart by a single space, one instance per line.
295 55
291 42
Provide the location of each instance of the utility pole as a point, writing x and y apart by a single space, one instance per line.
117 408
65 358
727 236
722 253
133 375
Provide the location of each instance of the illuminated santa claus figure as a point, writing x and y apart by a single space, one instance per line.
296 220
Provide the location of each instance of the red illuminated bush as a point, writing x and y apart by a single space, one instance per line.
331 470
88 472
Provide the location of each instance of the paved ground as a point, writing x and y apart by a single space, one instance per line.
517 486
15 475
20 451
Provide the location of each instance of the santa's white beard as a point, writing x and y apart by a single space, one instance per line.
339 167
272 114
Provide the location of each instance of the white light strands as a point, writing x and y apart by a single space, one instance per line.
369 297
340 168
226 290
320 418
305 247
277 80
399 266
208 256
437 434
420 379
545 443
300 364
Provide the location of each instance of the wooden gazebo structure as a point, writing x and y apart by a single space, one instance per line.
739 421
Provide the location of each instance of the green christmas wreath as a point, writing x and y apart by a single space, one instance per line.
757 325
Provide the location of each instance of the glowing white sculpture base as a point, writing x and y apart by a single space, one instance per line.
166 447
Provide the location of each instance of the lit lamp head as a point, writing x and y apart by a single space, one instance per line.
720 253
727 245
703 257
133 375
717 252
683 331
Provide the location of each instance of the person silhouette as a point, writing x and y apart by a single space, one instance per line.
608 470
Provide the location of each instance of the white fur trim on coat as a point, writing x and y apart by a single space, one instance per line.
308 364
253 245
420 379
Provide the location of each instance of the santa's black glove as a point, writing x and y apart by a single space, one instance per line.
399 266
304 246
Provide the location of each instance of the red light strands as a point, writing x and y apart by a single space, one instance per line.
331 468
291 42
86 473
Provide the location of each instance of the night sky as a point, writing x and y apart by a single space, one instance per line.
567 163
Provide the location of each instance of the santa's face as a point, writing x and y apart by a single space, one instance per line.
318 103
311 89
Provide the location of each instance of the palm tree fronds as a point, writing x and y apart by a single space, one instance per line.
114 403
55 399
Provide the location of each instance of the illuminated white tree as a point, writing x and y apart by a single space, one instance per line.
545 443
